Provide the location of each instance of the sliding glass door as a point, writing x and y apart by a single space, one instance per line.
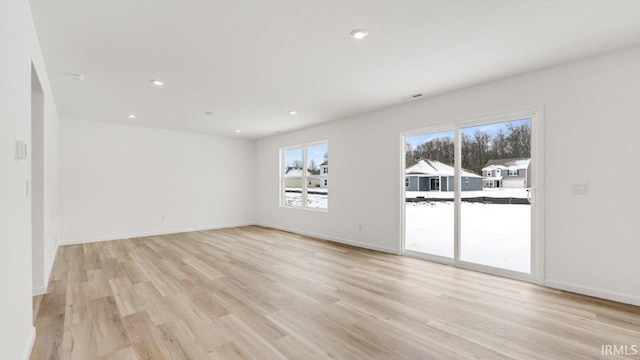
468 195
495 212
429 196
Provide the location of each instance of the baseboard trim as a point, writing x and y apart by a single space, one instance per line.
331 238
151 233
585 290
33 340
39 290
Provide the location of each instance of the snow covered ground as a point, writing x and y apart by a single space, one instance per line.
494 193
491 234
318 201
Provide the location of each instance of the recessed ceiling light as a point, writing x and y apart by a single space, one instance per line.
77 76
359 34
157 82
292 112
237 130
131 116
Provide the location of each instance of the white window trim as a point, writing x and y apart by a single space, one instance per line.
304 178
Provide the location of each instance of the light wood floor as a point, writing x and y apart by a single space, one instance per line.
257 293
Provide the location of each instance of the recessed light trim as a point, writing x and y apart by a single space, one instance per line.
157 82
292 112
77 76
359 34
237 130
131 116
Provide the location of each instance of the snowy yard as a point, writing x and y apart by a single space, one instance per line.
491 234
494 193
318 201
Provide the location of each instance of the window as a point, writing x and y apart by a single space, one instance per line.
435 184
513 172
466 182
406 182
304 176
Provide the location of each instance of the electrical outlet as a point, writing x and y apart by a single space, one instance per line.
21 150
580 189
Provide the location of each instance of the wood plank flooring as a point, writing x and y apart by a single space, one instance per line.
256 293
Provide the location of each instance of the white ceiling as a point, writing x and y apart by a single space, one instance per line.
250 62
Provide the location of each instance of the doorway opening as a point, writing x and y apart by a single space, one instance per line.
37 184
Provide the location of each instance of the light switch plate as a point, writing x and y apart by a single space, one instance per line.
21 150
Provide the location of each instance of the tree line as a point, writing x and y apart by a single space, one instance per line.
477 149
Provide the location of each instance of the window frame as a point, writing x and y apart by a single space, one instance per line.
305 178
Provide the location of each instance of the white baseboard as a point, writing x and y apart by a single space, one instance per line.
33 340
151 233
333 239
39 290
602 294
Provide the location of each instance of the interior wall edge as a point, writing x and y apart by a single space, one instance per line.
30 345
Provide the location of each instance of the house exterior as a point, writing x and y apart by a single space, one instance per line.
507 173
324 173
315 178
431 175
293 178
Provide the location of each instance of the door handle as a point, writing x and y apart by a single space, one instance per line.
531 195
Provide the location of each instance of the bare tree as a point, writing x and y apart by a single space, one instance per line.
477 150
312 165
296 164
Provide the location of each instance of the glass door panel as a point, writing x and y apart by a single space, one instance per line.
429 185
495 212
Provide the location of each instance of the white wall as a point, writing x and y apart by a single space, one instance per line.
20 47
592 242
118 181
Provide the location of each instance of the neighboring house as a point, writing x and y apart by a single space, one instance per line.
293 178
507 173
324 172
431 175
313 182
315 178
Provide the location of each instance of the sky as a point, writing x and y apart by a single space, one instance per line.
315 152
490 129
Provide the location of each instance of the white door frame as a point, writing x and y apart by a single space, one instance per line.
536 114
